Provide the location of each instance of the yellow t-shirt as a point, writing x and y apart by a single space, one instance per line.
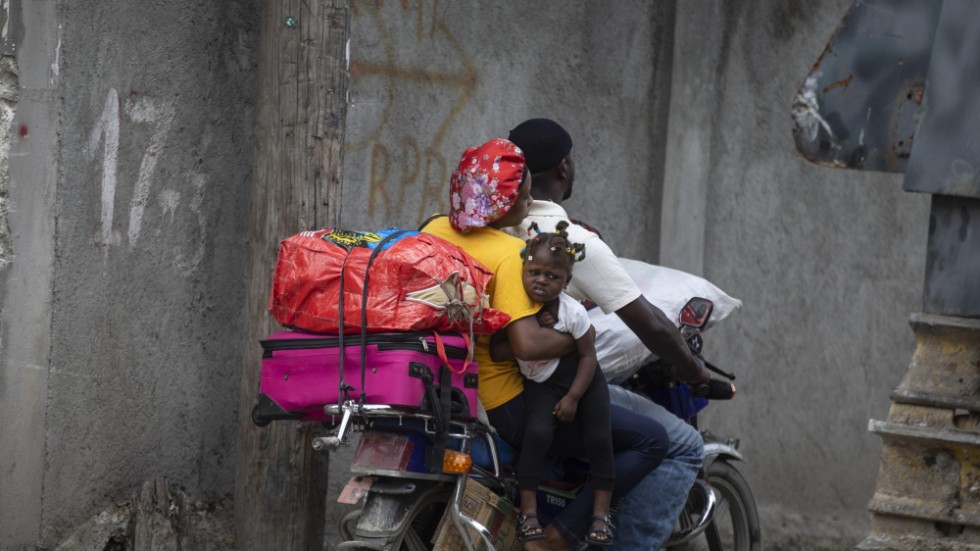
500 253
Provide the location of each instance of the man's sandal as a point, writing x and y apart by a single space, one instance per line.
598 534
527 531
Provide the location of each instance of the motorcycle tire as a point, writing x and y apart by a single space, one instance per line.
418 533
735 524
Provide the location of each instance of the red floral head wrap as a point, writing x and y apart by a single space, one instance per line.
484 186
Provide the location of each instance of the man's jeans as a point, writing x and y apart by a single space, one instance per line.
645 517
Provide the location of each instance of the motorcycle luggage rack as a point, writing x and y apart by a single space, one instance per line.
463 431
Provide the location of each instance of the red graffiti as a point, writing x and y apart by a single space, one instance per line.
22 131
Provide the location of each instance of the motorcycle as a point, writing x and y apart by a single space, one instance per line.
412 468
720 492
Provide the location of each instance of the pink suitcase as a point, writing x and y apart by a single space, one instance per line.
301 373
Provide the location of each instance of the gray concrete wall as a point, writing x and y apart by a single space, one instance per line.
829 264
429 79
128 192
25 318
121 313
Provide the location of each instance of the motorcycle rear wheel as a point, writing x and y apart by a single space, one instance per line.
418 532
735 524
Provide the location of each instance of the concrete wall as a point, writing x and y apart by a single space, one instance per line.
429 79
128 192
121 313
28 258
829 263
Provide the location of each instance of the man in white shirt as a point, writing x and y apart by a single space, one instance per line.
642 523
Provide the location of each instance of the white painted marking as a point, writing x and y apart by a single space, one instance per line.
6 21
145 111
55 67
188 265
170 200
107 127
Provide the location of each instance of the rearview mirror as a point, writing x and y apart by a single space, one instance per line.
696 312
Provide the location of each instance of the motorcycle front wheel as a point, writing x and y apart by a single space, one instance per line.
735 523
418 532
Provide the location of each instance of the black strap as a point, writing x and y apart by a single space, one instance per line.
440 403
430 219
443 413
364 298
345 388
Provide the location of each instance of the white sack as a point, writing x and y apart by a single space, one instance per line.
620 352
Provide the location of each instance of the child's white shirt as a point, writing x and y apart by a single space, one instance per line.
572 319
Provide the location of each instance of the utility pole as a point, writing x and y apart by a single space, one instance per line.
301 106
895 91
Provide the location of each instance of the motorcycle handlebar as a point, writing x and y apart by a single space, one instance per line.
715 389
716 369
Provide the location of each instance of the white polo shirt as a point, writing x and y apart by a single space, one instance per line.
600 277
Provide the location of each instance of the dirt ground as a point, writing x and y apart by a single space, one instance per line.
149 516
208 525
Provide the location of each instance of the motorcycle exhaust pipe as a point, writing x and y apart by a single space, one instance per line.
708 501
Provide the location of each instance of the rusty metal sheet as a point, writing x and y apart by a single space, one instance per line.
860 104
947 146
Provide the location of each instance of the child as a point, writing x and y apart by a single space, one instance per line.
561 391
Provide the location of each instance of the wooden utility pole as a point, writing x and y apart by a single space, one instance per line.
280 486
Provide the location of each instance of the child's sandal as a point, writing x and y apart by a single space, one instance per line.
527 531
600 535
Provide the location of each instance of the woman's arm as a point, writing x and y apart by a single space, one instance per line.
529 341
500 347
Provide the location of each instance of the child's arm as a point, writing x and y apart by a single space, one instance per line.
587 363
547 318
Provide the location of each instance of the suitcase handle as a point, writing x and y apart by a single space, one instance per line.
441 351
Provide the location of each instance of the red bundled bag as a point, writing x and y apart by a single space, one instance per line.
393 280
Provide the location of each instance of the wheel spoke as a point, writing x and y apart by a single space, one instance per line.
413 542
713 537
722 506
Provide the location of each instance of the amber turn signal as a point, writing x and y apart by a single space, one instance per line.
454 462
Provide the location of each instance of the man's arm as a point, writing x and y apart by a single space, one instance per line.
662 338
602 279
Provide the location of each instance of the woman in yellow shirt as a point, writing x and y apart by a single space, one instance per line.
489 190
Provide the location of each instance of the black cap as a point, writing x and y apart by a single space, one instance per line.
544 143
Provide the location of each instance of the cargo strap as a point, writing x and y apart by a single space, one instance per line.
453 312
443 414
440 402
344 387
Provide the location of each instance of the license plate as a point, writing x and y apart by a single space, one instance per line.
356 488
